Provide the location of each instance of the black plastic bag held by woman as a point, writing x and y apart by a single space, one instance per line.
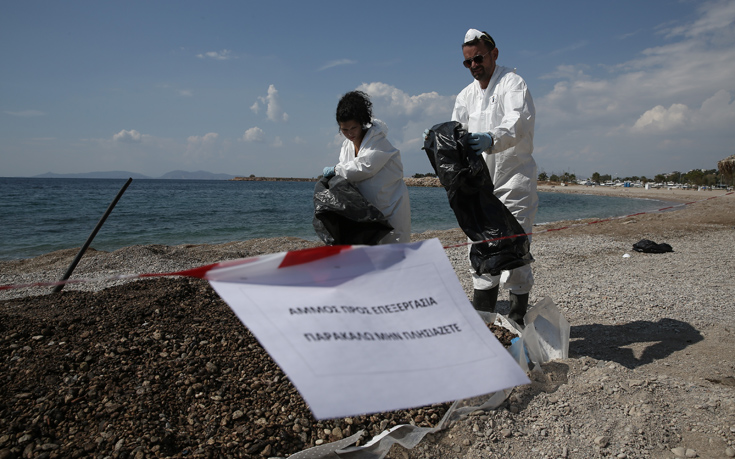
342 215
479 212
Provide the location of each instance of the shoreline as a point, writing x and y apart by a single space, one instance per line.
697 211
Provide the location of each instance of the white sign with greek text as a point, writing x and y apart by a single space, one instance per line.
368 329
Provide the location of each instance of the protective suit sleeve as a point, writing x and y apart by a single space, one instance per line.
365 165
518 119
460 113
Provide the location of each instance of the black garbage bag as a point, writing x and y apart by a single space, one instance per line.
480 214
647 246
342 215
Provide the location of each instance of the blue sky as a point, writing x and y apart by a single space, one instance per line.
620 87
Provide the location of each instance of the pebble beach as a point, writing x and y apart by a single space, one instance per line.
650 373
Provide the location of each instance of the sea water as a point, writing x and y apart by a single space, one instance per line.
40 215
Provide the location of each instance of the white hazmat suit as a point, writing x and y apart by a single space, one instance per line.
505 110
377 172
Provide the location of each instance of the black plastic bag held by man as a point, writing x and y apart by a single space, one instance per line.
479 212
342 216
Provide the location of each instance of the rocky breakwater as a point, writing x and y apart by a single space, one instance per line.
253 178
422 181
410 181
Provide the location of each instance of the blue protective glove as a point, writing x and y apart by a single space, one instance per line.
328 172
480 141
426 133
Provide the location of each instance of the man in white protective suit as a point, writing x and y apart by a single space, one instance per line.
498 112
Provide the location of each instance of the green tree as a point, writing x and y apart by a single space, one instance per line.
596 177
695 177
554 178
542 177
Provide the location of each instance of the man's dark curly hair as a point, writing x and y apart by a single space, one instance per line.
355 105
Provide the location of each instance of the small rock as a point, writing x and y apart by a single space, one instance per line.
691 453
730 452
602 441
24 439
506 433
679 451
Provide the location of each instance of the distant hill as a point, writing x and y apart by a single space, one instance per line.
198 175
98 175
177 175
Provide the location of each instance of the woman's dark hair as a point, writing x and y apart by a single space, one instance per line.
355 105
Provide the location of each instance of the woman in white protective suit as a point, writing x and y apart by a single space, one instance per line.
372 164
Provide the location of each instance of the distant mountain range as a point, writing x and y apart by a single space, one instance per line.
177 175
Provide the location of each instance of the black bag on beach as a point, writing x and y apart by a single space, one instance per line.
342 215
647 246
479 212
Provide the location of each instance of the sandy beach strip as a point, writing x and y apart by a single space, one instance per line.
662 194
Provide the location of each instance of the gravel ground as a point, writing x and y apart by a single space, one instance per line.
139 369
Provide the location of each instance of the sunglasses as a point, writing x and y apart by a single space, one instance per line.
479 59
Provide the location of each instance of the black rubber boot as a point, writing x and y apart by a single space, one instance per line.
518 307
484 300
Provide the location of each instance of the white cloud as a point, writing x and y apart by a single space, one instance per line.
717 111
393 101
206 138
26 113
254 134
336 63
277 142
716 18
272 103
223 55
661 119
131 136
201 147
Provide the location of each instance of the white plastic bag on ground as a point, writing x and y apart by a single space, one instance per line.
546 335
